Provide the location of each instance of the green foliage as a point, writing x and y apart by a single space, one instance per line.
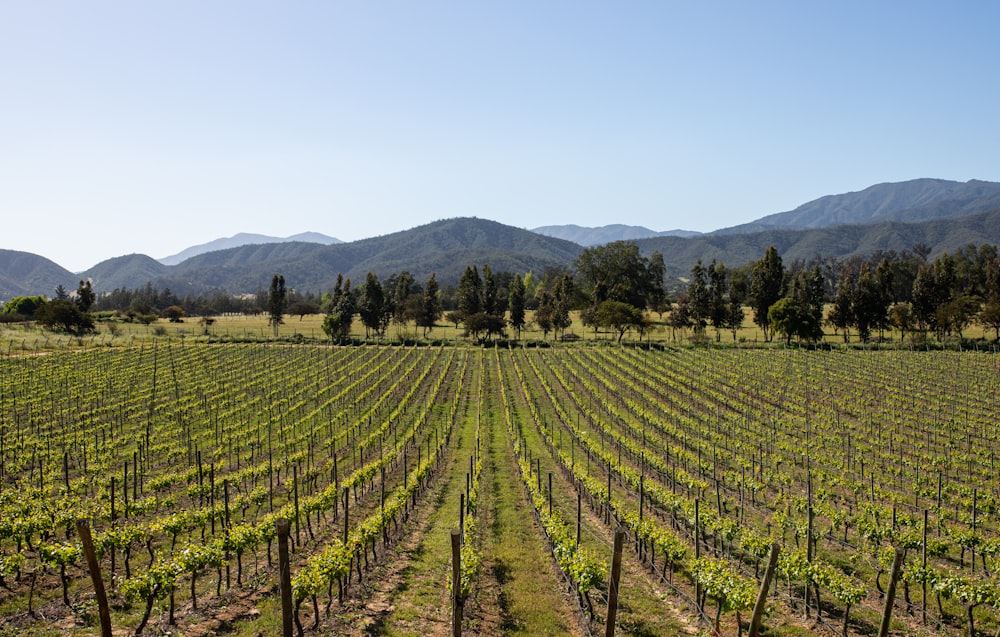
23 305
64 315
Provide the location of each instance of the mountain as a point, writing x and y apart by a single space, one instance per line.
945 235
442 247
914 200
606 234
243 239
26 274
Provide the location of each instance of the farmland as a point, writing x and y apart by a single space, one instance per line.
182 457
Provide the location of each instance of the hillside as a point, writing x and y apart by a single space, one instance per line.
443 247
242 239
24 273
908 201
838 242
606 234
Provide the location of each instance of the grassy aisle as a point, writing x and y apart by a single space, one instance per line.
518 571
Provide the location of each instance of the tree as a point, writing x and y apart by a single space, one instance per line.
276 302
61 292
401 295
620 317
485 324
174 314
766 280
679 318
842 314
430 308
562 300
808 293
372 306
786 317
545 314
85 296
739 288
699 298
337 322
616 271
657 270
717 308
301 308
491 301
989 316
24 305
516 302
470 292
65 315
901 317
868 303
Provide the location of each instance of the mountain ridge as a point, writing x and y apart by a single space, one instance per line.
242 239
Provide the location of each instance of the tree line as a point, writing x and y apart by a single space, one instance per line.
613 287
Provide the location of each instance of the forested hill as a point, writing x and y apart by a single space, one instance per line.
907 201
443 247
25 274
838 242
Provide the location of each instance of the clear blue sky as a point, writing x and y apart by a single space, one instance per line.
155 125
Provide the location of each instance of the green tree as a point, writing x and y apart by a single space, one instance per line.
430 308
372 306
491 301
739 289
901 317
62 314
699 298
174 314
620 317
24 305
766 280
718 309
470 292
85 296
276 302
562 299
868 303
616 271
545 314
517 304
842 314
401 295
786 317
484 326
808 292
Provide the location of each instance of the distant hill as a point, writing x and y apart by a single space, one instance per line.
606 234
26 274
443 247
243 239
944 235
120 272
914 200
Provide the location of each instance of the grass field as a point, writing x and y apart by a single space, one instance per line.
182 454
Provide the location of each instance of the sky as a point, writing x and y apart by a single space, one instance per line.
147 127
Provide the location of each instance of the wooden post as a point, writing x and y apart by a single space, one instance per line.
284 577
456 583
758 608
616 572
83 530
890 594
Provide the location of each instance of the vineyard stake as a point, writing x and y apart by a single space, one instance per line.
83 530
616 572
758 607
890 594
456 583
285 577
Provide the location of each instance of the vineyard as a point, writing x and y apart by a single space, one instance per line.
182 458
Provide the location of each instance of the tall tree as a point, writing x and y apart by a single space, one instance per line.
85 296
491 302
276 302
766 279
516 302
430 308
699 299
372 305
562 298
470 292
718 310
402 292
842 314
